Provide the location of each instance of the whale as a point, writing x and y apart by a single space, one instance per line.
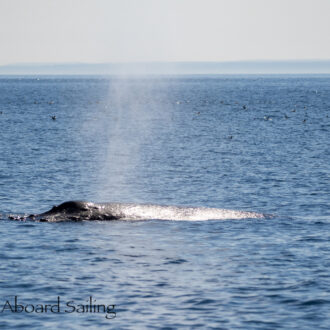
82 210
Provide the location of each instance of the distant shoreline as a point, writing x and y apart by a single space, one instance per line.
170 68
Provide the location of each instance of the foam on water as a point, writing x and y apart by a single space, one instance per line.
145 212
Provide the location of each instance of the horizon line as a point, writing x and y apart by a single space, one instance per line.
310 66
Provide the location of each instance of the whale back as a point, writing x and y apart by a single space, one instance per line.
81 210
75 211
70 206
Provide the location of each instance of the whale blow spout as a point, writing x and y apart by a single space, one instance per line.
80 210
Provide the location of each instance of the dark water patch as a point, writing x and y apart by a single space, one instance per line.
12 257
313 239
135 255
27 225
161 285
174 261
256 324
99 259
19 285
314 302
202 302
85 278
73 240
320 223
158 270
67 249
116 261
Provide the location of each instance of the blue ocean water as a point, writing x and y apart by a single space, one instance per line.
252 143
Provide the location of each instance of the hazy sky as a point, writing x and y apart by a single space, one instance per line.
163 30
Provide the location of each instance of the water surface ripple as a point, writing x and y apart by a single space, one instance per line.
249 143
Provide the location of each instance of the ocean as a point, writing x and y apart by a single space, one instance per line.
241 142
